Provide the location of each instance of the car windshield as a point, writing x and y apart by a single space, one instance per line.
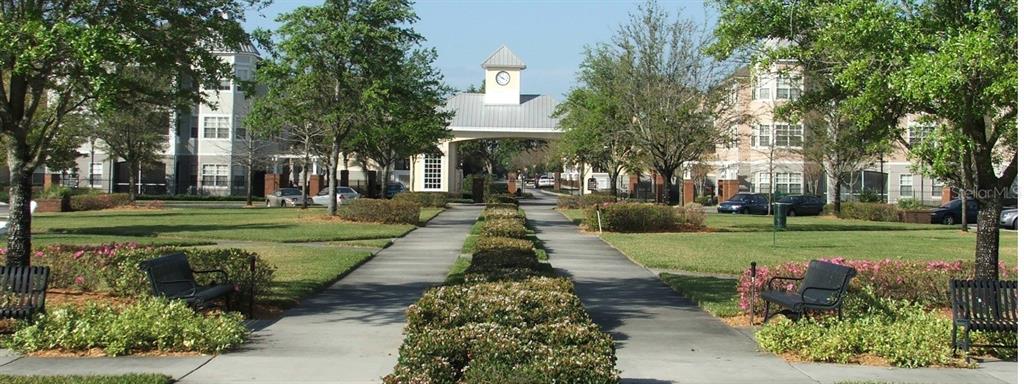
951 204
345 190
290 192
742 197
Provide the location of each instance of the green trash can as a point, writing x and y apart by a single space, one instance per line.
781 209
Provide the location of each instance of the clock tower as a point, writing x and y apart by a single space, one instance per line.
502 73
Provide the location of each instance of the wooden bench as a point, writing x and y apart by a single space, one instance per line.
171 276
982 305
821 288
23 291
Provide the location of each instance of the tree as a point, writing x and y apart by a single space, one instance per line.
135 133
406 119
60 55
955 62
670 91
488 155
336 55
594 133
251 150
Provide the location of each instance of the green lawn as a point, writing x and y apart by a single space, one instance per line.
251 224
736 240
303 270
100 379
717 296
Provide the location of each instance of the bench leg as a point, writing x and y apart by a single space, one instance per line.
766 313
956 345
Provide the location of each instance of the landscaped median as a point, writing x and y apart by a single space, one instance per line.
897 311
503 317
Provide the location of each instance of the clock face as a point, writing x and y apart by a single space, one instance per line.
502 78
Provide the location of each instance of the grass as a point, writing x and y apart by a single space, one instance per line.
251 224
99 379
428 213
736 240
304 270
715 295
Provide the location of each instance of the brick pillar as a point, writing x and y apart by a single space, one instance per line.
728 188
48 181
659 191
947 195
558 181
633 181
271 182
316 183
510 178
688 191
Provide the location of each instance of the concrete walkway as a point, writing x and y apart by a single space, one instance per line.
350 333
663 338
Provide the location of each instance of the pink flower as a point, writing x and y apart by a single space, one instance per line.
78 255
79 280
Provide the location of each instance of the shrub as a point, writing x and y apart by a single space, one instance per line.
381 211
501 199
504 213
585 201
503 258
132 378
148 325
521 303
91 202
487 243
631 217
424 199
902 333
502 205
692 215
909 204
924 283
869 196
869 211
503 228
704 200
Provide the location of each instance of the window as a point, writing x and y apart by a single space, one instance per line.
764 182
787 135
732 139
937 187
787 87
432 172
240 131
789 183
402 164
216 127
763 92
193 127
917 133
762 135
96 175
215 175
906 185
225 85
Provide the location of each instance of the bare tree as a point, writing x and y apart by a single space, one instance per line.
252 150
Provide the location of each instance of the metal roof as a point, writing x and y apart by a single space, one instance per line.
503 58
533 113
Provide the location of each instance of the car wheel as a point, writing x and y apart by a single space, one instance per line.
282 203
268 203
1014 224
791 213
948 220
744 211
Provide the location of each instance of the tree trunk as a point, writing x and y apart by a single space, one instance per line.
987 246
963 212
19 239
666 196
304 179
615 182
332 179
248 187
837 195
133 172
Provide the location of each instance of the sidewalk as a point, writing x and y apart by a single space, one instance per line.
350 333
663 338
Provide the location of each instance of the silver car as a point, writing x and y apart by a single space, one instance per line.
345 196
285 197
1008 219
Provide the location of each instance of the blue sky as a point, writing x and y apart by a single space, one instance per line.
548 35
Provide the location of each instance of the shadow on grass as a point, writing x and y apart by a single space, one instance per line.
759 227
715 295
154 230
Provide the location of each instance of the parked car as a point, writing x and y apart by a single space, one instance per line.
393 189
745 202
545 181
802 205
285 197
531 183
950 213
1008 219
345 195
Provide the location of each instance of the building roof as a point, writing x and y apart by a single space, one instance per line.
533 113
503 58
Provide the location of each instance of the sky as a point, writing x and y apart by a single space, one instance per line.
550 36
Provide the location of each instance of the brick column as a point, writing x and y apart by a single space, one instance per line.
316 183
688 191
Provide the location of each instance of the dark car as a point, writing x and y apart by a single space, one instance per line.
745 202
803 205
393 189
949 213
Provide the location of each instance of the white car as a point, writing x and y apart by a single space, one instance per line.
345 195
545 181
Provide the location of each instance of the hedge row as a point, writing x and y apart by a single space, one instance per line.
424 199
585 201
381 211
509 321
628 216
870 211
501 199
95 202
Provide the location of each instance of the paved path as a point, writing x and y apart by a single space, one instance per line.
663 338
350 333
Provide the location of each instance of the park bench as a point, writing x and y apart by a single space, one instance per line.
983 305
171 276
821 288
23 291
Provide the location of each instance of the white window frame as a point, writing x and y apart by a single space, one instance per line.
432 172
96 175
917 132
937 183
906 181
789 135
764 181
219 131
219 175
788 87
793 181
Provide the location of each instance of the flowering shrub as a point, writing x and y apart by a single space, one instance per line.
424 199
381 211
692 215
925 283
503 228
148 325
631 217
501 199
502 205
92 202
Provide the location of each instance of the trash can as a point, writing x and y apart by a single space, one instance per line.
781 209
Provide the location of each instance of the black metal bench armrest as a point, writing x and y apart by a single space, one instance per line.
768 285
832 302
221 272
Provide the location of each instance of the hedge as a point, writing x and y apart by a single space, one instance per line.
501 199
150 324
381 211
91 202
194 197
869 211
505 213
585 201
424 199
632 217
503 258
503 228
